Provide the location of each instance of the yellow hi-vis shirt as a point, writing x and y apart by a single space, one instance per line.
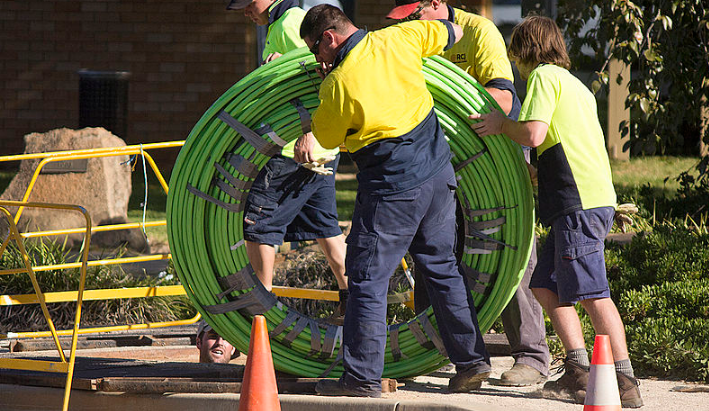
353 108
574 170
481 52
283 36
284 33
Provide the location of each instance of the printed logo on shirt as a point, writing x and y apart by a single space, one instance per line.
459 58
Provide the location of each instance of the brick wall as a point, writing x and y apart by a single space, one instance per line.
182 55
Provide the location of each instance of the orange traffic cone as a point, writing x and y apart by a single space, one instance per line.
258 390
602 390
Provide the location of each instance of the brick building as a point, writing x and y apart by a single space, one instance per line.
181 55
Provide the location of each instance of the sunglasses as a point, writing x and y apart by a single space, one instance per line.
315 48
415 15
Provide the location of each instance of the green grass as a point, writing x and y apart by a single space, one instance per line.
659 172
346 195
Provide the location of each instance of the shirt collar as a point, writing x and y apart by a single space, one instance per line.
451 13
278 9
347 46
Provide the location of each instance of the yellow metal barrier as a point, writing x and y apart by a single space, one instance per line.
106 294
63 365
55 156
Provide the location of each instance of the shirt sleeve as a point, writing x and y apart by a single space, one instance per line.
451 34
541 99
330 120
490 54
430 36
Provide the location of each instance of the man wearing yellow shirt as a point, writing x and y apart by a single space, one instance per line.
374 100
287 201
482 54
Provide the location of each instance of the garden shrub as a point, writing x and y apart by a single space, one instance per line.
660 282
29 317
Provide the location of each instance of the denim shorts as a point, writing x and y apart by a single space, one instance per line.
290 203
571 263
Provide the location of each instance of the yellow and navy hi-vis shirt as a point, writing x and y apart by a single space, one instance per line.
482 53
375 101
574 171
284 19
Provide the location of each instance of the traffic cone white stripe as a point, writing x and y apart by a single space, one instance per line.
597 394
602 389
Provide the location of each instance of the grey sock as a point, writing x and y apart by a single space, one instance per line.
580 356
625 367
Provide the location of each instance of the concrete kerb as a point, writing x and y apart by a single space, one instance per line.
22 398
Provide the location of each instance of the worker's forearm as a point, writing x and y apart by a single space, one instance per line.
502 97
527 133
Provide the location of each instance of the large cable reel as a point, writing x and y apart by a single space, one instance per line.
250 123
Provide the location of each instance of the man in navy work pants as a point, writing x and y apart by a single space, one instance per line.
374 100
481 52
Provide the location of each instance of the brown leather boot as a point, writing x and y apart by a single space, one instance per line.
572 384
521 375
468 380
629 391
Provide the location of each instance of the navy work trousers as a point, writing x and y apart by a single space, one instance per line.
422 221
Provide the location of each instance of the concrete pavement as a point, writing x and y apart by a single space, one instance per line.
23 398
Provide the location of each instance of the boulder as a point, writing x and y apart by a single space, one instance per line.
101 185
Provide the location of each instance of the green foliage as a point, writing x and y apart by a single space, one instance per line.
660 282
94 313
667 254
666 42
346 194
670 347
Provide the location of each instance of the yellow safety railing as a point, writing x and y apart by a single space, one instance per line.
106 294
62 366
140 292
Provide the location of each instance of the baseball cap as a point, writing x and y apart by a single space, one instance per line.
403 9
238 4
203 327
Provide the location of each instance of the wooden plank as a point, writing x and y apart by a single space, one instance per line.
48 380
139 385
26 345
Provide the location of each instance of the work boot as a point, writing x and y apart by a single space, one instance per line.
334 388
521 375
469 380
572 384
629 391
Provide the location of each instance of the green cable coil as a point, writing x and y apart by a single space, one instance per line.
220 158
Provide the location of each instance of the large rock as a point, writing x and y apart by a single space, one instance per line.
103 188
